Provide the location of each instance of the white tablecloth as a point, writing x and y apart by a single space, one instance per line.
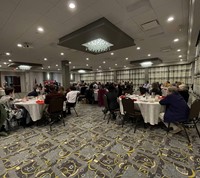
35 110
149 110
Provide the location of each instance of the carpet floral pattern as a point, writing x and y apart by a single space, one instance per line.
89 147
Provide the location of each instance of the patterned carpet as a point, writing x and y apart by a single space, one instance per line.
89 147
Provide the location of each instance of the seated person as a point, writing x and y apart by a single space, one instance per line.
53 94
34 92
12 110
176 109
112 99
89 94
71 98
183 91
155 89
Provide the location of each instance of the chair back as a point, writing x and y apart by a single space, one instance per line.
195 109
105 100
128 106
56 104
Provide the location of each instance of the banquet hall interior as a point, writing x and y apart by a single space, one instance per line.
94 44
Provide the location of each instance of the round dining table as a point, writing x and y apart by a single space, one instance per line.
150 108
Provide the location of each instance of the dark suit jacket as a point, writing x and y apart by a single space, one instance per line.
184 94
176 108
112 100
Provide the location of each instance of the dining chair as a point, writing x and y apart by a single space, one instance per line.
129 111
192 119
107 110
55 111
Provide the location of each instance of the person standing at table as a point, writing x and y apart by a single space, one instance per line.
176 109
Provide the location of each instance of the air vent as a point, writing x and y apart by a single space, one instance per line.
150 25
166 49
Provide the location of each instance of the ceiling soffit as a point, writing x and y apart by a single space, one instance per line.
101 28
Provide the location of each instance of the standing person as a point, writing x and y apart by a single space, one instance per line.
176 109
101 92
71 98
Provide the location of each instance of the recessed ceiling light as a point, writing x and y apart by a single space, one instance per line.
56 65
10 60
45 59
149 55
72 5
97 69
49 67
104 62
70 62
170 19
112 54
99 66
180 56
124 66
181 60
73 66
7 53
5 63
116 64
42 68
138 48
58 69
62 54
126 58
176 40
86 64
0 65
178 50
19 45
40 29
87 58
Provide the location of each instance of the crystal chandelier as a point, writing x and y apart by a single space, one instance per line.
24 67
97 46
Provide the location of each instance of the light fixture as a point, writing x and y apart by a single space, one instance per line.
149 55
5 63
170 19
99 66
62 54
87 59
112 54
86 64
181 60
146 64
7 54
73 67
176 40
180 56
0 65
116 64
24 67
97 46
138 48
178 50
127 58
10 60
19 45
49 67
104 62
70 62
45 59
124 66
72 5
40 29
56 65
81 71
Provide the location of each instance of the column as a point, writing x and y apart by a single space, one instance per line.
65 73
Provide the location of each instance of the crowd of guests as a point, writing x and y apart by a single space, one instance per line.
176 99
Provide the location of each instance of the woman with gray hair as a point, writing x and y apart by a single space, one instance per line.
177 109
